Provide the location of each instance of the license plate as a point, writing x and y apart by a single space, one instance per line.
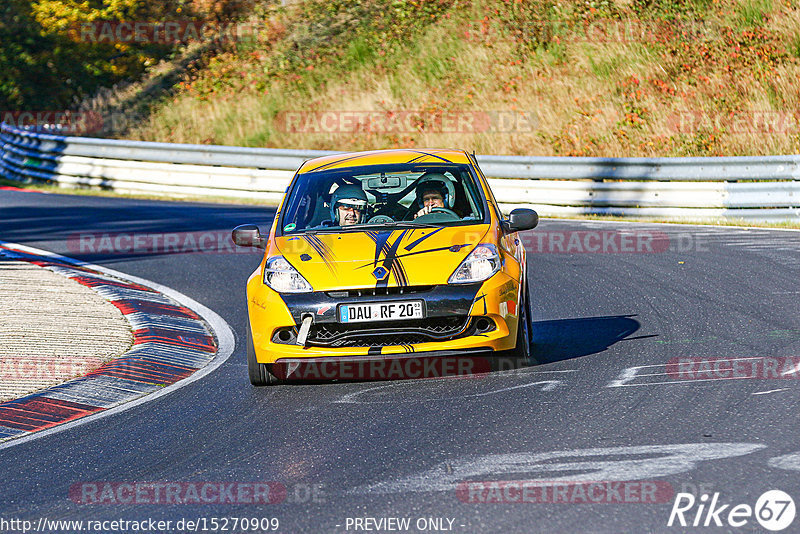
380 311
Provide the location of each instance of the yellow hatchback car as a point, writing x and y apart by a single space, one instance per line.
386 255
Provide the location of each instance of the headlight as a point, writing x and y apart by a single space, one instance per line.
481 263
283 278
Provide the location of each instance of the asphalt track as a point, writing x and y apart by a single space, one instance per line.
594 411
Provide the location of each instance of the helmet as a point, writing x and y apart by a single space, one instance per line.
434 181
348 195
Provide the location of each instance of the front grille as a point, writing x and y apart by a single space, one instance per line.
390 332
376 291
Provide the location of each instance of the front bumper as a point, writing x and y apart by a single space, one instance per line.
457 314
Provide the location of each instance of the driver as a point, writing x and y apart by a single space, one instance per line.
434 190
348 204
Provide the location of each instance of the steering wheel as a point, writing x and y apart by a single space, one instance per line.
380 219
438 215
445 210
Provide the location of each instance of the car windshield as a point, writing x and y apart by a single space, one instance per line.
366 198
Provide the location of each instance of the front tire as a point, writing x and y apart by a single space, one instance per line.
522 350
260 373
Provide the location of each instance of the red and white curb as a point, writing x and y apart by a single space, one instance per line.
176 341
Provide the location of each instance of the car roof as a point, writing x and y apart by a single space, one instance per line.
384 157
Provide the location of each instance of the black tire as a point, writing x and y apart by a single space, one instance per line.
260 373
522 349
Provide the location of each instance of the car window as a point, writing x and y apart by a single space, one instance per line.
492 200
383 195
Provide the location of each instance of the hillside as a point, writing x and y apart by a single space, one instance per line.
625 78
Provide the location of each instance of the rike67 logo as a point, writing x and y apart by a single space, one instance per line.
774 510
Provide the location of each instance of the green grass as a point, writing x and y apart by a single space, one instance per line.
360 53
605 68
794 47
751 13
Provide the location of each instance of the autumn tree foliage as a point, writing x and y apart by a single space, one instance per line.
46 65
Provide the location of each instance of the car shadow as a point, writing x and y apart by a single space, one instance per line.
564 339
553 341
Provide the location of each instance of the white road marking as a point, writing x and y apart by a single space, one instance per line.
788 461
349 398
219 327
579 465
770 391
792 371
630 373
352 398
519 372
692 381
625 376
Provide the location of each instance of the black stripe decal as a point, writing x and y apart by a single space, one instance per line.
398 256
399 273
389 259
325 248
423 154
335 162
423 238
322 250
483 298
380 244
439 249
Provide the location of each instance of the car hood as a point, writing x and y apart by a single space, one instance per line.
407 257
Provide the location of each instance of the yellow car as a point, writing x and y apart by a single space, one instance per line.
384 256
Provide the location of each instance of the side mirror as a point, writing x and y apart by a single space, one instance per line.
522 219
247 235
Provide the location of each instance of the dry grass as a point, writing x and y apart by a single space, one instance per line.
578 97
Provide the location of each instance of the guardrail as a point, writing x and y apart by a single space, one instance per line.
763 188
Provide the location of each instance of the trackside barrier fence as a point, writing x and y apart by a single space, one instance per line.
755 188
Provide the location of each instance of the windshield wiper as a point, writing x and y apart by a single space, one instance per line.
362 227
407 224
